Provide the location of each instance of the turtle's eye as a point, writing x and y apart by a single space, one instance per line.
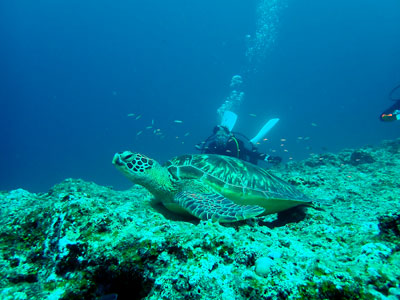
128 156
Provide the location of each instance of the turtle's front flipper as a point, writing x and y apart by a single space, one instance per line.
216 207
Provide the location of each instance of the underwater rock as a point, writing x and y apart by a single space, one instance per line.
360 157
392 146
322 159
85 241
389 226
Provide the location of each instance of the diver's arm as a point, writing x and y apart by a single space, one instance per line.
254 155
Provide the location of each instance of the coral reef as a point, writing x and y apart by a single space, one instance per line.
84 241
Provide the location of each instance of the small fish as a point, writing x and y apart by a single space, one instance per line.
139 132
283 140
286 150
138 117
299 137
149 127
152 121
178 121
314 124
306 138
252 115
131 115
265 139
187 133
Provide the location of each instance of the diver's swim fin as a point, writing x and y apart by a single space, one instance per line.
229 119
266 128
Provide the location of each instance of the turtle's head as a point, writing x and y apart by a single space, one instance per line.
142 170
133 165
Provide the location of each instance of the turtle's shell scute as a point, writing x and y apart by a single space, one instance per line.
232 174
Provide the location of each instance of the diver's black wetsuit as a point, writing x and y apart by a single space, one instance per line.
235 148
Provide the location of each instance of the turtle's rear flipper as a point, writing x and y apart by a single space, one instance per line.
213 206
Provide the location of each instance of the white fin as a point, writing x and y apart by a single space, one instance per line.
229 119
266 128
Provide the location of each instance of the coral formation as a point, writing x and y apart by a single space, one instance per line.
84 241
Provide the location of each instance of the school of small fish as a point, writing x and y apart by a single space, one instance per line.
159 133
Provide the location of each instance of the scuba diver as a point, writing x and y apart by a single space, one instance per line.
225 142
393 112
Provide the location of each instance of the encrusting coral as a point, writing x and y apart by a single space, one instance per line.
84 241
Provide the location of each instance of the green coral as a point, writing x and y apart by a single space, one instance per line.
329 290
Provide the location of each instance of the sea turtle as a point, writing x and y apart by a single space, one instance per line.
210 186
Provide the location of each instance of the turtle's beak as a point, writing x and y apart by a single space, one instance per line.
117 160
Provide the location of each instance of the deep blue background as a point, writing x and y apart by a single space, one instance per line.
72 71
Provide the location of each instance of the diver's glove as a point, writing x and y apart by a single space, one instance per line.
273 159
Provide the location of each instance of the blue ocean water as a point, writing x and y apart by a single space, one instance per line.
83 80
